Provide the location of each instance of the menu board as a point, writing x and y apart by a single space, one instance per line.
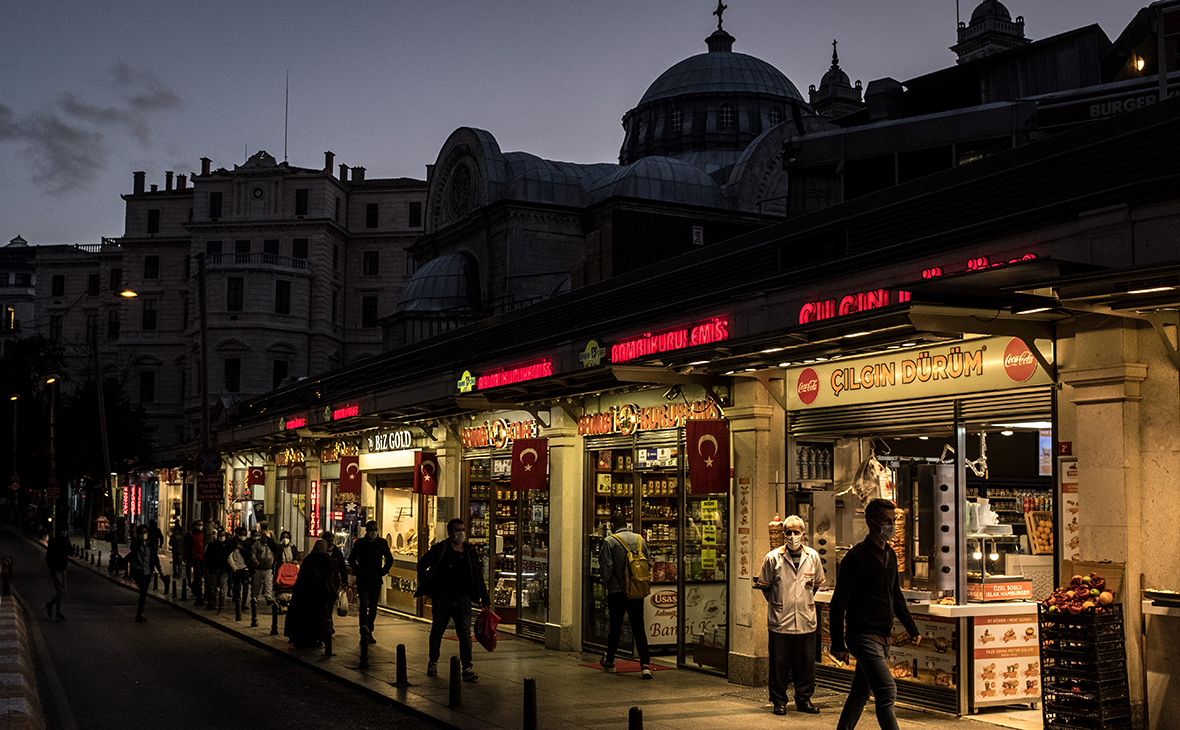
1070 537
1006 663
932 662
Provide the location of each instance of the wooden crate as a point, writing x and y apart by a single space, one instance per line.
1035 522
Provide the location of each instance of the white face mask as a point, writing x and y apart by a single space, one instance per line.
794 542
458 537
286 541
886 532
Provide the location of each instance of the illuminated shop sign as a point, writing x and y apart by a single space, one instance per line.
388 441
592 355
313 509
346 411
288 424
629 418
988 363
497 433
532 370
864 301
675 338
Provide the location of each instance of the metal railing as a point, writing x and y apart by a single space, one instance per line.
255 259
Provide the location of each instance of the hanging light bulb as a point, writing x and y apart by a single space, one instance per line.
977 555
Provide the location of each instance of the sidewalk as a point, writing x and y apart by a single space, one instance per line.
568 694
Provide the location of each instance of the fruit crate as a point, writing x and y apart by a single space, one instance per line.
1109 621
1084 670
1102 719
1084 649
1106 670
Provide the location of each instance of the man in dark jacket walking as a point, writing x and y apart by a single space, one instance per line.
868 597
194 558
612 561
261 549
370 561
451 573
57 557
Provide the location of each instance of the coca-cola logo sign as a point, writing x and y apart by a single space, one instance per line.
808 386
664 599
1019 363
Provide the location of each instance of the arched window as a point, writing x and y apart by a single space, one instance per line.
676 121
776 116
727 120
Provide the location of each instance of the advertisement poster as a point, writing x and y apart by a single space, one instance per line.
1069 539
704 613
1006 666
661 616
933 662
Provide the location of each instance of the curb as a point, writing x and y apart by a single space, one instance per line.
20 704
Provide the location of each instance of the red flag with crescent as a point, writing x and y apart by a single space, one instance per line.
707 442
350 475
296 477
425 472
530 464
255 475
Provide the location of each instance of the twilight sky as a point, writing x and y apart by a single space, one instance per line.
92 91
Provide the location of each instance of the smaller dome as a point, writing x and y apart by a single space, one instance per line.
448 282
835 75
661 178
990 9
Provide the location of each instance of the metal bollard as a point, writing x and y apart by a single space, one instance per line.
184 589
274 619
174 582
253 613
635 719
328 645
100 558
403 679
166 581
456 698
364 647
92 560
530 704
237 610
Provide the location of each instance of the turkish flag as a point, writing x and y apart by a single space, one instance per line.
708 455
530 464
425 472
255 475
350 474
296 478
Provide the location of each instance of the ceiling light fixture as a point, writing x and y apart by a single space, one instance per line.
1152 290
1026 424
700 362
773 349
1007 433
857 334
1034 310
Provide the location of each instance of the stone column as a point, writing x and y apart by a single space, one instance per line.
567 531
755 464
1105 382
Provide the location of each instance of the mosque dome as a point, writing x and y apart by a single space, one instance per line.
990 9
717 101
450 281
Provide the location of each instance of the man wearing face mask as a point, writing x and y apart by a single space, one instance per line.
789 578
370 561
451 573
868 597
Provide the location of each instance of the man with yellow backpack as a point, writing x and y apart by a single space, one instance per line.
625 565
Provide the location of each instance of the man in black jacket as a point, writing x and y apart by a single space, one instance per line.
370 561
868 596
451 573
57 557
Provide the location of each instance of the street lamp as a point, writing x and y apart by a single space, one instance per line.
51 483
15 472
102 427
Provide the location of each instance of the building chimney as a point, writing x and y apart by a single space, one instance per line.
358 174
343 172
168 181
154 188
181 182
139 180
329 158
205 163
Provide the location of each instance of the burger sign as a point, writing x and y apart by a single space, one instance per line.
967 366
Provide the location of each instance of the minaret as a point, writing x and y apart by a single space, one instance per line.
991 30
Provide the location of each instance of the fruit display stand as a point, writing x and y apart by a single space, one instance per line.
1040 532
1084 669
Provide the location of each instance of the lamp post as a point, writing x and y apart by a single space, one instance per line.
51 484
102 428
15 485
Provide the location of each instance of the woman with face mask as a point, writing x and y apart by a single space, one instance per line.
789 578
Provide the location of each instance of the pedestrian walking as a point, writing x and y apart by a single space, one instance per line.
867 599
114 559
237 562
370 561
613 557
216 570
789 578
57 557
144 561
451 573
261 550
337 555
309 618
155 536
176 549
194 558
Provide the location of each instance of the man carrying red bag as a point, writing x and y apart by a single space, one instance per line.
451 574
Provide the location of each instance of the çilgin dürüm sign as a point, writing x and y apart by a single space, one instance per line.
967 366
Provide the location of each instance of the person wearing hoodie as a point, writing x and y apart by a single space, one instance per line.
451 573
144 561
194 558
261 550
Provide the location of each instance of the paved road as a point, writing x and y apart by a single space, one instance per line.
99 669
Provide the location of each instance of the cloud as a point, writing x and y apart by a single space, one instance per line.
66 146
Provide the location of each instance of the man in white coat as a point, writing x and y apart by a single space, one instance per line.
789 577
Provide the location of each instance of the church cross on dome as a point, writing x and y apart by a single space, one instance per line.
718 12
835 58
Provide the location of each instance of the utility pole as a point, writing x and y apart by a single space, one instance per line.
106 451
203 375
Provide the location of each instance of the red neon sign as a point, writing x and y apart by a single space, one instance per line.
849 304
293 423
346 412
313 509
542 368
674 338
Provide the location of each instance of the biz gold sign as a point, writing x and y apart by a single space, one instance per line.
970 366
